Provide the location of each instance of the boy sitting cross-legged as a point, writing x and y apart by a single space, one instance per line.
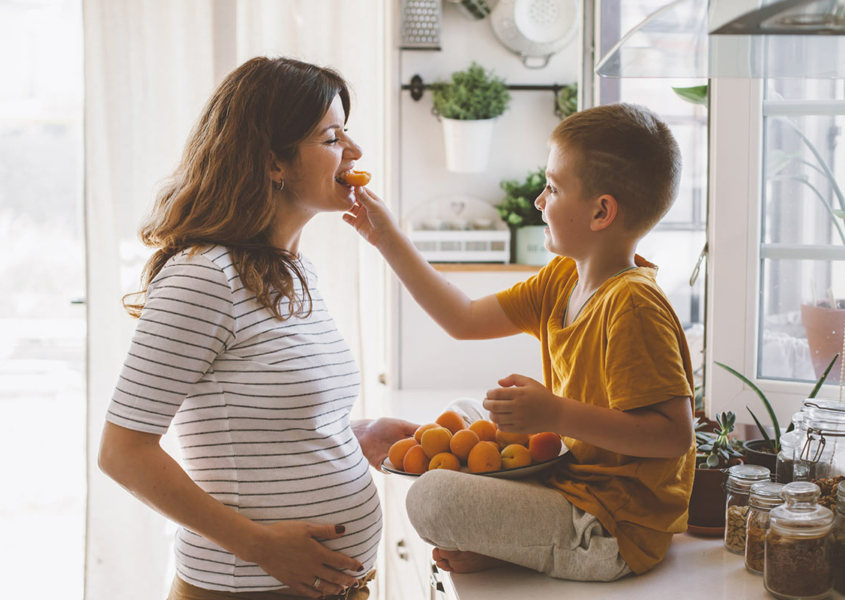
616 368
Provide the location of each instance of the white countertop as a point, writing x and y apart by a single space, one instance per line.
693 568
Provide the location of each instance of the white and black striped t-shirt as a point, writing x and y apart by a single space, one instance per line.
261 408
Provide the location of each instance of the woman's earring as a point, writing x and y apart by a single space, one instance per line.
279 186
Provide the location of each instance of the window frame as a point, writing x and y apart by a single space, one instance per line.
735 257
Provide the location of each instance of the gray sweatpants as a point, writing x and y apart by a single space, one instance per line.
520 521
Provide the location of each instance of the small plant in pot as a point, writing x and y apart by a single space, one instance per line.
468 107
764 451
524 219
715 452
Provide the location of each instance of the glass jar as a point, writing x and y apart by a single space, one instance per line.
837 541
820 449
763 498
738 487
796 564
786 457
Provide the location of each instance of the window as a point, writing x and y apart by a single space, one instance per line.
42 267
777 256
676 243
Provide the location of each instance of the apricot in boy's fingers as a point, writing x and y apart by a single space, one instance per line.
445 460
435 440
397 451
422 429
484 457
462 442
484 429
415 461
506 439
514 456
452 421
544 446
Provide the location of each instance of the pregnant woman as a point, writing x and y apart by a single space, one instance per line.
236 349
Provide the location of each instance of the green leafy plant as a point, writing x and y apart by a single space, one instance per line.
774 444
717 447
517 208
567 101
696 94
471 95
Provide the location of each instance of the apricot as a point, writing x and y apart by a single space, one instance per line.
484 429
451 421
415 460
544 446
462 442
435 440
506 439
514 456
397 451
445 460
422 429
484 457
356 178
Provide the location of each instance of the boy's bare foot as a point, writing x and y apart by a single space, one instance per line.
464 562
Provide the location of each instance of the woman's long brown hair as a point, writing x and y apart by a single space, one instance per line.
221 191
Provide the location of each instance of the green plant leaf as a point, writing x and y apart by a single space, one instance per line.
471 95
766 437
696 94
763 398
839 213
822 379
777 160
713 461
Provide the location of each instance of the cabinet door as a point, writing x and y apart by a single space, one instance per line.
407 557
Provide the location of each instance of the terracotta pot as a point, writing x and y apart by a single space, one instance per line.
707 503
757 452
824 327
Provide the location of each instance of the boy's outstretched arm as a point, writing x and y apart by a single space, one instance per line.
457 314
662 430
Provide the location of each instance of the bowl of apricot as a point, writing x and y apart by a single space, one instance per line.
478 448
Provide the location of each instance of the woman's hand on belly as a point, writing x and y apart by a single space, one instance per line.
292 552
376 437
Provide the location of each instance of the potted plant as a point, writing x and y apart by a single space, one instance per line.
468 107
715 452
764 451
524 219
566 101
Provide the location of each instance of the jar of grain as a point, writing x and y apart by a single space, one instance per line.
797 564
763 498
738 487
837 541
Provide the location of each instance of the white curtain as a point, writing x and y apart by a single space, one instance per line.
149 68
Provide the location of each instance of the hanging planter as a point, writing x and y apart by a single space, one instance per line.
468 107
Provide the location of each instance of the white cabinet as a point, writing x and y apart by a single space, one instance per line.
407 557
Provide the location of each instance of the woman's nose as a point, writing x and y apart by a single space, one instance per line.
354 151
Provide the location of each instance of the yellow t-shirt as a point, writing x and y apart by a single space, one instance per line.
625 350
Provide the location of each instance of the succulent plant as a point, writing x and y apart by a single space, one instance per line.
716 446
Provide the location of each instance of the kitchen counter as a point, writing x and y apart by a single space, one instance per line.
694 567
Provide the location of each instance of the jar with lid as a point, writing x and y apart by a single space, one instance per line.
797 562
837 541
763 498
738 487
786 457
820 448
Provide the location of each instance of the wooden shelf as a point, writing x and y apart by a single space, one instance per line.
453 267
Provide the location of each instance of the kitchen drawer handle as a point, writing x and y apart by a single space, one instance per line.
437 584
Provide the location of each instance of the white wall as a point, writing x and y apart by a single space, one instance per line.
427 357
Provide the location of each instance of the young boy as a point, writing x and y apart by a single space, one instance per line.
616 368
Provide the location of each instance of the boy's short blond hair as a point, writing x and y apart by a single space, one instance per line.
626 151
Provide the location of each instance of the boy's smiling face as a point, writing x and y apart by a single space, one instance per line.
565 210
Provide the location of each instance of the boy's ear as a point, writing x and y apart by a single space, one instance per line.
606 212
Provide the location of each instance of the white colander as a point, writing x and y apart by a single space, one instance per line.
535 29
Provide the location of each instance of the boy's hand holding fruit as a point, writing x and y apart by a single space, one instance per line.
523 405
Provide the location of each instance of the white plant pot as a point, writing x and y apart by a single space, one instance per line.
530 246
467 144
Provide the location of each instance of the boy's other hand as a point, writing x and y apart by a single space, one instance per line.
370 217
523 405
